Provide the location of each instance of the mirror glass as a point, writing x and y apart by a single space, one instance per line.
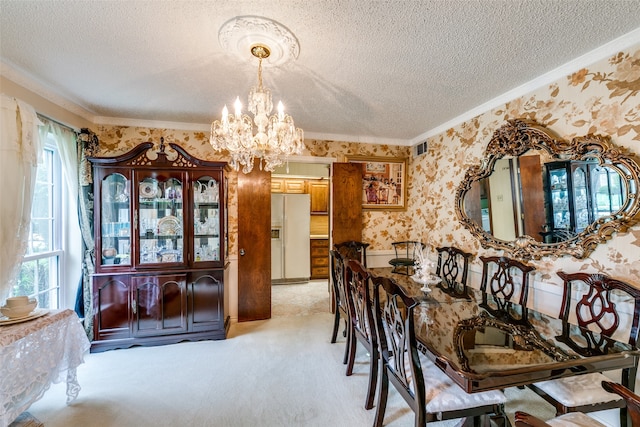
546 199
535 194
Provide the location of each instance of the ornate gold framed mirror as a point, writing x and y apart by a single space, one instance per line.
535 194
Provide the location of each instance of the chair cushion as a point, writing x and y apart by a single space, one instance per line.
442 394
578 390
574 419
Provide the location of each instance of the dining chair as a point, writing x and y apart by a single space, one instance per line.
597 304
352 249
453 268
340 300
631 400
501 278
362 323
405 255
428 391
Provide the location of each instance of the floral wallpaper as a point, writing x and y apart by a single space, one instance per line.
379 227
602 98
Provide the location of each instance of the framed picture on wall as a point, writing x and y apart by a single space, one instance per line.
384 182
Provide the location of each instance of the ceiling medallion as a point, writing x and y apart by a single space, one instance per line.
238 35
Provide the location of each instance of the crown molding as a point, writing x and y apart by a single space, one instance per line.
157 124
564 70
154 124
356 138
22 78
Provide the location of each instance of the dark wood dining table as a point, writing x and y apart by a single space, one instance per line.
481 348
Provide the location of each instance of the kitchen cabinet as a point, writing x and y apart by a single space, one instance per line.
319 191
287 185
295 186
277 185
319 259
161 242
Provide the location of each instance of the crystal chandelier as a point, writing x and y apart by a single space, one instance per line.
276 137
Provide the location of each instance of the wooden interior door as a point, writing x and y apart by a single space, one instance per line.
533 213
347 202
473 202
254 245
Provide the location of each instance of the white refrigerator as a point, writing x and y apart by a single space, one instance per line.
290 244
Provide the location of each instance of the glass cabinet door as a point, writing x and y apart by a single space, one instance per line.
115 224
206 219
160 220
561 215
581 198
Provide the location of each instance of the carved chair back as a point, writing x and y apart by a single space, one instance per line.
352 249
505 281
453 268
397 341
598 310
338 279
340 301
418 380
360 302
358 282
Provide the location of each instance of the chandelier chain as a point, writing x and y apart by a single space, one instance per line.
260 73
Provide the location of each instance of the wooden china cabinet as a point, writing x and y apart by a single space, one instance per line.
579 193
160 244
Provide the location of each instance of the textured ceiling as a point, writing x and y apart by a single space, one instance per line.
367 70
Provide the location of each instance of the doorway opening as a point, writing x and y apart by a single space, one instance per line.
300 237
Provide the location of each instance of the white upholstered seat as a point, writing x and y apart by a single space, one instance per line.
443 395
579 390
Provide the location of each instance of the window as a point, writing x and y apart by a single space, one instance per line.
40 273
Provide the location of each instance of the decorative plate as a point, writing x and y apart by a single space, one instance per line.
148 190
169 226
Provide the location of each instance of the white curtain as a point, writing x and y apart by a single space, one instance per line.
20 151
66 143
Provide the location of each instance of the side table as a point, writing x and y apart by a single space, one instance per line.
36 353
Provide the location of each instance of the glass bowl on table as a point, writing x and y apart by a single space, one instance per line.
426 279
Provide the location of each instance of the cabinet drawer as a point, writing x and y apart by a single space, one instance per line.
320 272
320 243
320 262
319 252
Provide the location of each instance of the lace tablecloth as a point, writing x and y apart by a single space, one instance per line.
36 353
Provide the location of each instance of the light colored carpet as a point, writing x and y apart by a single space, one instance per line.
300 299
277 372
